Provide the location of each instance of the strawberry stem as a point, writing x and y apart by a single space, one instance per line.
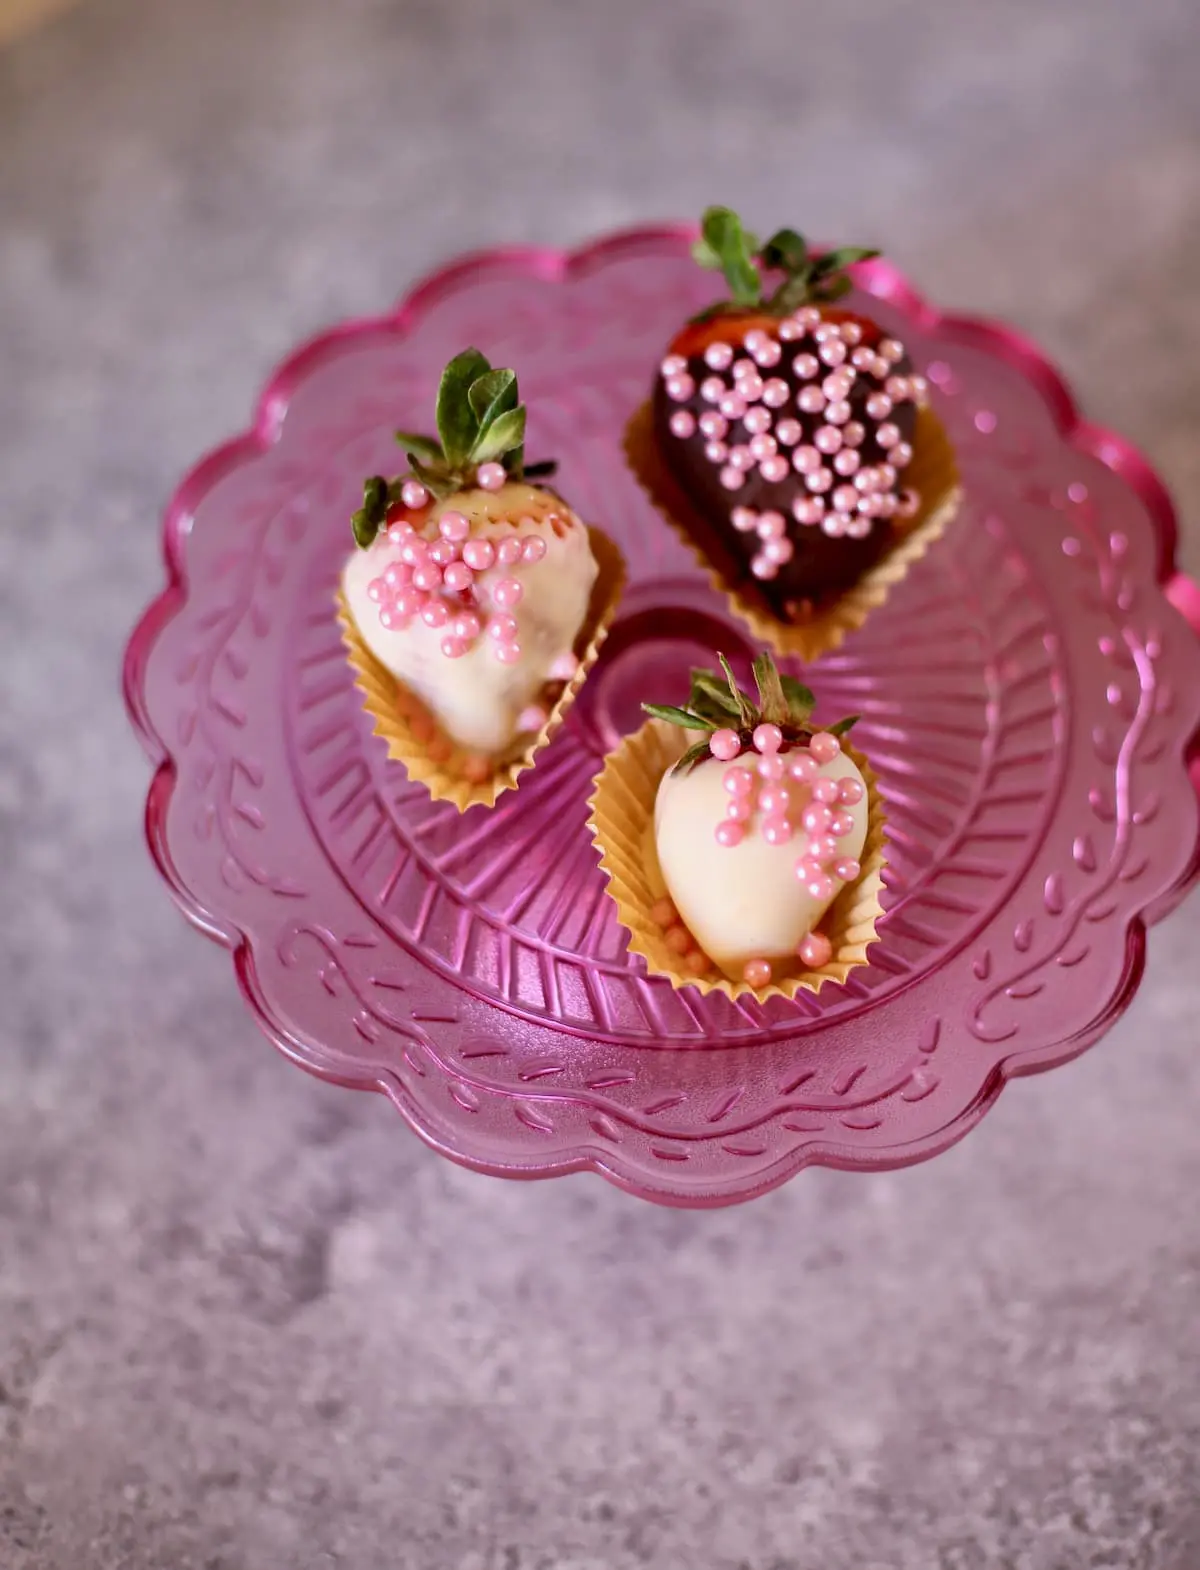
714 705
480 419
727 246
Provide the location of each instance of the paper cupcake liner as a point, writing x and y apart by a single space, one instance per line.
933 472
413 735
621 821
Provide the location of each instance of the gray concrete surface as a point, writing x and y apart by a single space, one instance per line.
246 1321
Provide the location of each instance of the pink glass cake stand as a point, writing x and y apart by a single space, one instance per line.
1030 700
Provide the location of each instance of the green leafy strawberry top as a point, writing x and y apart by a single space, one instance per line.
480 419
715 704
727 247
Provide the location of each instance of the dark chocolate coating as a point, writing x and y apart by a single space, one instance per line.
822 566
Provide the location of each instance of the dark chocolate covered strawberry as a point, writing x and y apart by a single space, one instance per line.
787 420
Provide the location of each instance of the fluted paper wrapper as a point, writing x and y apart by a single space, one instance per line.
621 821
412 733
933 473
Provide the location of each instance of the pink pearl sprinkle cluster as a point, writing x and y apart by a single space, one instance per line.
439 581
813 433
776 788
679 940
770 790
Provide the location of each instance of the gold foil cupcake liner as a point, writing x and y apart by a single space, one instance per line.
413 735
933 473
621 821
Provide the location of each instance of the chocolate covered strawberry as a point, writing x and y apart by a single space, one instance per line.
758 826
787 420
470 584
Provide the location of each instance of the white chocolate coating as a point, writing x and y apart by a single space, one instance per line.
475 698
741 902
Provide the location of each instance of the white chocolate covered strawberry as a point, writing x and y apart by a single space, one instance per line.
470 584
759 826
480 634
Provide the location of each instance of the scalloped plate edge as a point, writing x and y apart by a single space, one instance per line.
879 278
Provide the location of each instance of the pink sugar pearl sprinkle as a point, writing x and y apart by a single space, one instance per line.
729 833
774 799
825 791
815 950
479 555
491 476
458 577
757 972
738 782
824 747
850 792
502 628
768 738
724 745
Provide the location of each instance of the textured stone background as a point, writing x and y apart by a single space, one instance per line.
246 1321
